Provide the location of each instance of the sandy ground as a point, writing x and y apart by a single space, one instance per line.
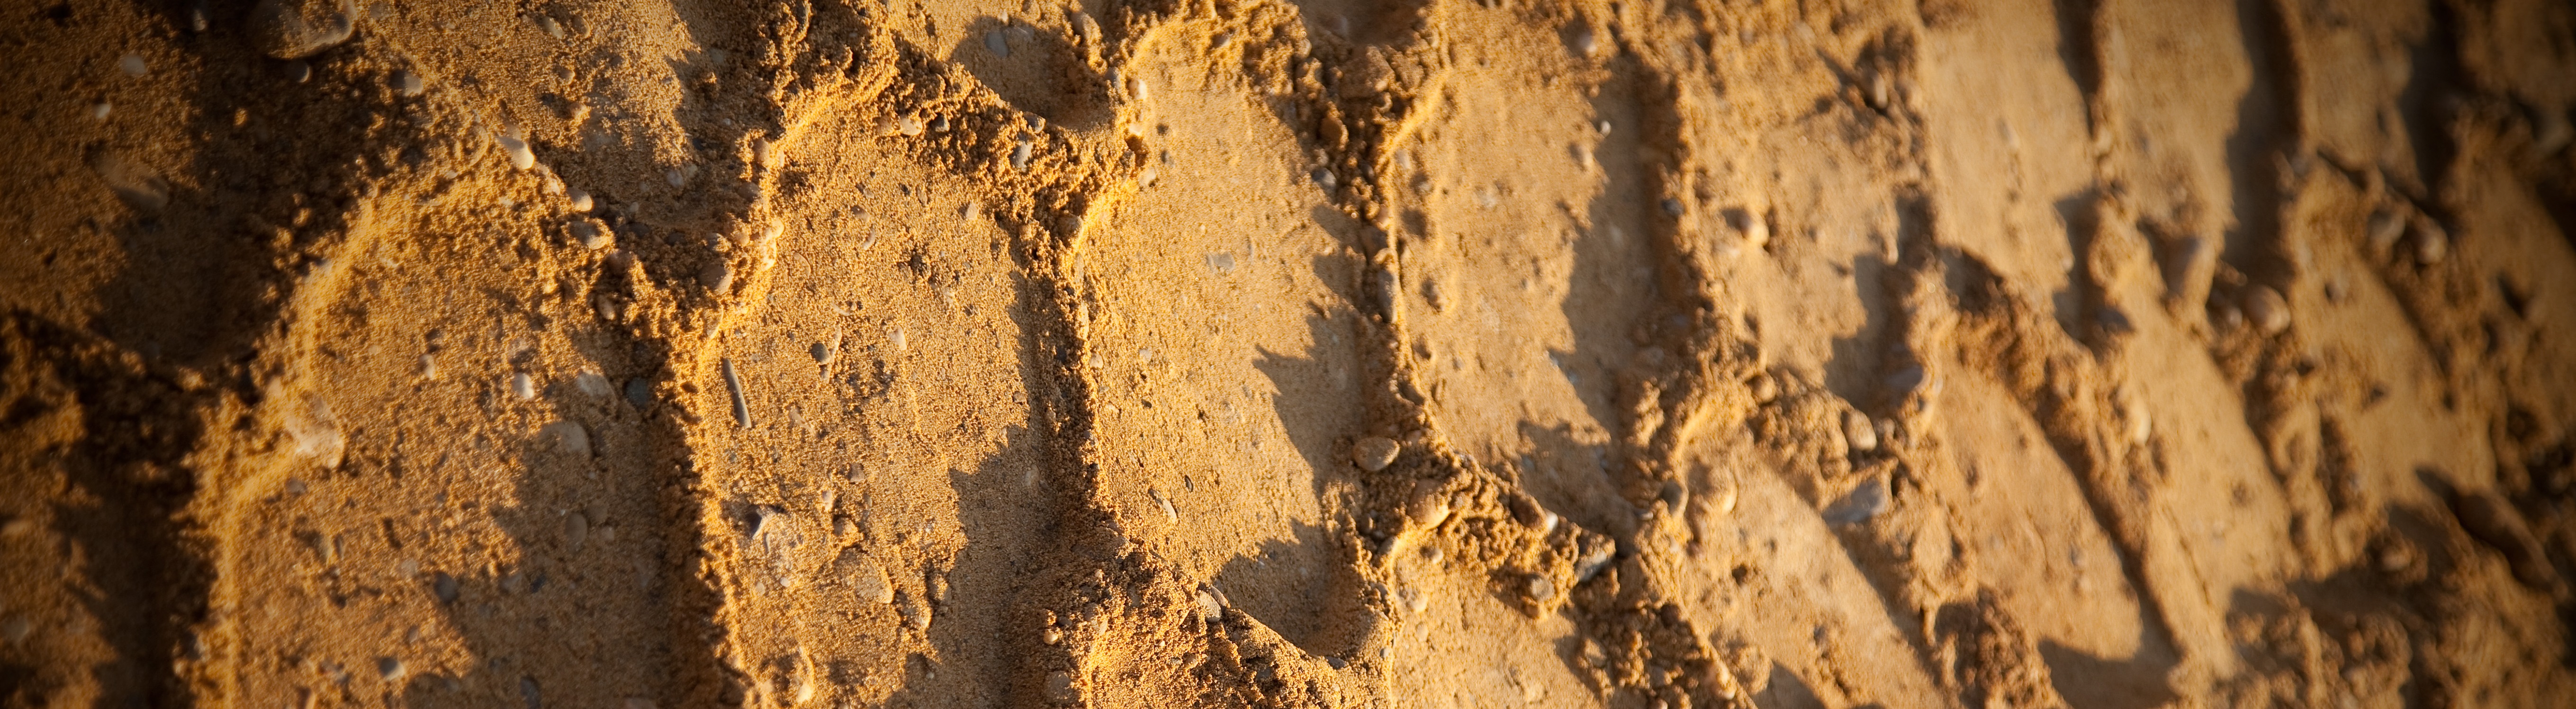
2106 354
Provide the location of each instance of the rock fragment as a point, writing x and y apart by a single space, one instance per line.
591 234
864 575
521 157
523 387
1859 505
406 83
576 200
567 437
132 65
295 29
2265 308
1374 453
1859 432
2432 244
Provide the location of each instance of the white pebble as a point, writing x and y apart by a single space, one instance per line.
576 200
132 65
995 43
1020 156
1859 432
390 669
521 157
100 111
523 387
2267 310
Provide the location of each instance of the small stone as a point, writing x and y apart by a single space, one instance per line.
639 393
576 200
718 276
294 29
132 65
908 125
1374 453
591 234
429 367
1211 609
2266 310
822 353
1541 589
406 83
1764 388
2225 315
528 692
523 387
2432 244
1859 432
2386 227
915 614
1051 635
1429 505
1325 178
1059 687
576 530
592 383
1586 42
521 157
1020 155
865 576
133 182
390 669
298 72
316 433
444 587
1864 502
997 44
567 437
1674 207
100 111
1755 229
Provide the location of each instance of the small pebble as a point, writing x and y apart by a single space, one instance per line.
2432 244
1673 207
407 83
1586 42
1429 505
569 437
1864 502
100 112
299 72
2385 229
1059 687
1765 389
2265 308
576 530
994 42
591 234
390 669
576 200
1374 453
823 354
915 614
523 387
132 65
1020 156
1210 608
444 587
2225 315
718 276
865 576
639 393
294 29
592 383
1326 179
1756 230
1541 589
521 157
1859 432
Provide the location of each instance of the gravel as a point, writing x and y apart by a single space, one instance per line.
1859 432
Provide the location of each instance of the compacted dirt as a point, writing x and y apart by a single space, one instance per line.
2105 354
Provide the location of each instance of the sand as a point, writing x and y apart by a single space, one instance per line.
2101 354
